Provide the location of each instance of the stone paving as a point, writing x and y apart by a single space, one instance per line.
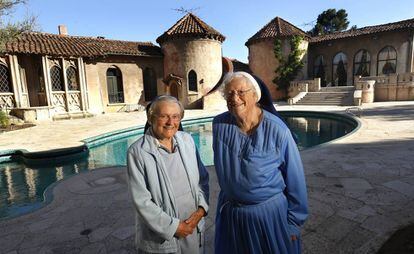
361 189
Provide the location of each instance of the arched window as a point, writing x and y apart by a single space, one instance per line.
362 63
192 81
339 67
387 61
114 84
5 84
319 69
72 77
150 84
56 78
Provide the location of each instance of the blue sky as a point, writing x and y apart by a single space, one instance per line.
238 20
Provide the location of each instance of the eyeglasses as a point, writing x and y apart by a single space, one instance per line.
239 93
174 118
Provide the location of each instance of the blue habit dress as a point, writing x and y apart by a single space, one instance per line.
263 199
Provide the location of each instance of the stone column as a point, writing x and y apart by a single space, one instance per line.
65 82
82 84
410 67
16 81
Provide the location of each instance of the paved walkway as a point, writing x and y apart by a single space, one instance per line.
361 189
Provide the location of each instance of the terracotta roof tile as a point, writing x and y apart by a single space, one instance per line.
57 45
404 24
277 27
190 26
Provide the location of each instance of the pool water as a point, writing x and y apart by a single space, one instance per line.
22 186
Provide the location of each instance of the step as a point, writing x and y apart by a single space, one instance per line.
75 115
337 88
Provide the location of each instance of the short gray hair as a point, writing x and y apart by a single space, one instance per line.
249 79
153 108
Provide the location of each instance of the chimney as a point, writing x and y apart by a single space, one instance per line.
63 30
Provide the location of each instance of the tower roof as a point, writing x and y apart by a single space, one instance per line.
190 26
277 27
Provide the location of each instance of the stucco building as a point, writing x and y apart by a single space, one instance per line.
45 76
384 53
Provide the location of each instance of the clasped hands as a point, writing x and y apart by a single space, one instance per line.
187 227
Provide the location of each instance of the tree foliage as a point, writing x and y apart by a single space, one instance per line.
331 21
10 30
288 67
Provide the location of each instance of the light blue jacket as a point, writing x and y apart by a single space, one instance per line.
152 192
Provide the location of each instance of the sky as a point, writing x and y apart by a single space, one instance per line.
237 20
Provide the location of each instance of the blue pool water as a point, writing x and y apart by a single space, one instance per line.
22 185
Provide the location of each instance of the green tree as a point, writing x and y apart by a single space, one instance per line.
288 67
10 30
330 21
341 73
321 73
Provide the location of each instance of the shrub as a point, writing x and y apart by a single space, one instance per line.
4 119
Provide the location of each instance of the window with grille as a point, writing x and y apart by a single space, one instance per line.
362 63
56 78
387 61
5 84
150 84
339 69
192 81
114 85
72 78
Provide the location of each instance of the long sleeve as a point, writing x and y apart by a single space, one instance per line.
292 170
204 190
153 215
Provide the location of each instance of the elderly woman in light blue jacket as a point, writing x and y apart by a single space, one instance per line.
168 182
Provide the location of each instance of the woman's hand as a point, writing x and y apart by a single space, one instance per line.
183 230
195 218
293 237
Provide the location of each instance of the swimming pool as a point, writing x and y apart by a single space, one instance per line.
23 182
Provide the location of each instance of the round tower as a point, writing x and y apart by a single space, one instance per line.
262 59
192 59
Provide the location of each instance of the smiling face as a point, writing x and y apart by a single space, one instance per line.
240 97
166 120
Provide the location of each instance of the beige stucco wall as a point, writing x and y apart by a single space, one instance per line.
263 62
132 79
400 40
201 55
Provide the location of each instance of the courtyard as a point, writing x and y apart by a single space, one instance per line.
360 187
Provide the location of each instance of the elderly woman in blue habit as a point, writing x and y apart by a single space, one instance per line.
263 200
168 183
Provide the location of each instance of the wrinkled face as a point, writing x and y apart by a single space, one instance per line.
166 119
240 97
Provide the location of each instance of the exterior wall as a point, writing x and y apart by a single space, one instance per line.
263 63
201 55
132 79
400 40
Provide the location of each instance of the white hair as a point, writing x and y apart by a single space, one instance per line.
154 107
247 77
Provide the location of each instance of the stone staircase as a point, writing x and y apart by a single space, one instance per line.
339 96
